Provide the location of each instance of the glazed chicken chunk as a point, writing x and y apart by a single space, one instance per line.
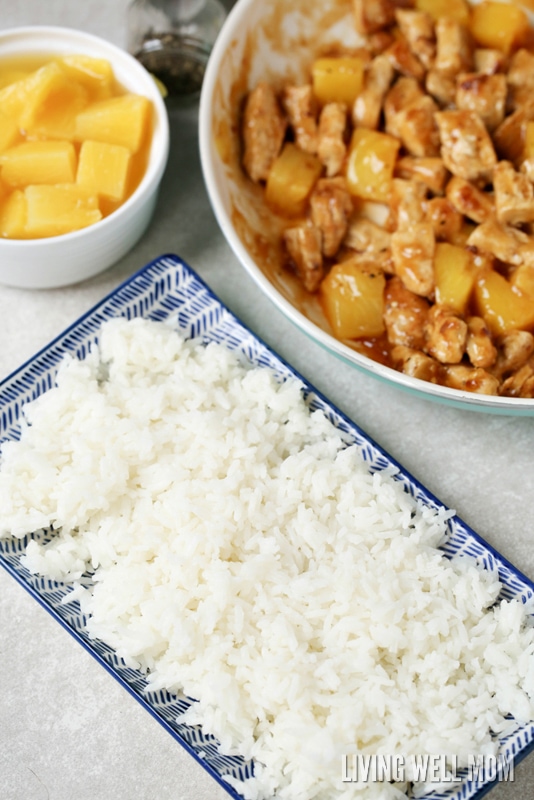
368 105
445 335
466 147
469 200
484 94
514 195
264 127
454 53
505 242
411 116
412 250
331 208
331 147
418 28
405 315
301 108
303 245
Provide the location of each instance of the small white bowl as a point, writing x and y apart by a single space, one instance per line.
277 42
73 257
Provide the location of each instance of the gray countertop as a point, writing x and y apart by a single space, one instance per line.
67 729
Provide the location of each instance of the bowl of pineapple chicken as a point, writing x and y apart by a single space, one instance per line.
372 167
84 141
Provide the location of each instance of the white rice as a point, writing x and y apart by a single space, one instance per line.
245 555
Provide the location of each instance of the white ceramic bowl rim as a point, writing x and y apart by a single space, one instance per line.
232 29
34 34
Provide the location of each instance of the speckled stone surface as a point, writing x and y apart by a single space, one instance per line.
67 729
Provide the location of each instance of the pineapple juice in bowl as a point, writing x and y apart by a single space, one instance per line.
84 149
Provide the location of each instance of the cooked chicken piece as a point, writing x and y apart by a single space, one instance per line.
264 127
527 387
405 315
515 349
373 15
409 115
470 379
303 245
331 209
332 148
520 383
366 236
415 364
412 251
480 348
446 221
509 137
441 86
418 29
485 94
470 201
403 59
504 242
379 42
521 77
467 150
403 93
514 195
301 108
445 335
489 61
428 170
368 105
454 52
418 130
407 203
527 168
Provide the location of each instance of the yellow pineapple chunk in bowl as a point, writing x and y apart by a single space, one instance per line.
60 224
55 210
103 169
39 162
117 120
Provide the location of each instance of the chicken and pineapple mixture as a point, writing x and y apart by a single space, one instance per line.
405 172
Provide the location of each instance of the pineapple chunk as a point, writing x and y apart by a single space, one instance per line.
13 216
42 89
55 117
19 99
455 274
498 25
103 169
337 80
119 120
94 74
503 307
523 280
457 9
9 76
371 161
352 297
39 162
291 179
55 210
9 132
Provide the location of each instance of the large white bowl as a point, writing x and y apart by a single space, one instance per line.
277 41
73 257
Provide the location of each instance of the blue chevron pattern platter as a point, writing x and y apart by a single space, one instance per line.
168 287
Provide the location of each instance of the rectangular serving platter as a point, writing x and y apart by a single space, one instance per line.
169 288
